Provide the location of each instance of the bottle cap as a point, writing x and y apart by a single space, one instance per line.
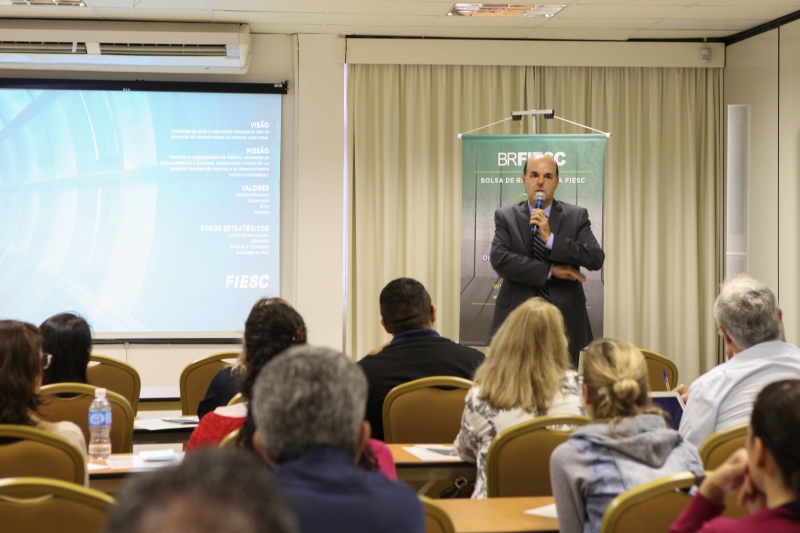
99 392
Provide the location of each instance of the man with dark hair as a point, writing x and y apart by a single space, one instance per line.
213 491
405 306
416 349
308 407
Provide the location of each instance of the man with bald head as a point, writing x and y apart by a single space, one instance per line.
540 251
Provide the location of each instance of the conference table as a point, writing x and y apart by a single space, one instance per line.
494 515
153 427
498 515
436 472
108 477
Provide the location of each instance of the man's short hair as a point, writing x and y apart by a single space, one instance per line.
748 310
405 305
213 490
308 397
525 166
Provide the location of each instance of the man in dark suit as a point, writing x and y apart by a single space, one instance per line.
416 350
539 252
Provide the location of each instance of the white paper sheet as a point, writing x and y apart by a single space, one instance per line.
135 462
97 466
158 424
157 455
425 454
548 511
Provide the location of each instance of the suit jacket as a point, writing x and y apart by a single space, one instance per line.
410 359
512 258
331 494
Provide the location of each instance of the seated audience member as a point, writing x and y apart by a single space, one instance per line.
415 351
228 381
308 406
627 444
749 321
528 374
67 337
766 474
21 367
212 491
269 330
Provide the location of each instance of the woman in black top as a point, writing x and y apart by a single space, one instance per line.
68 338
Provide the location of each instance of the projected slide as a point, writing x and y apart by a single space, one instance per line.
143 211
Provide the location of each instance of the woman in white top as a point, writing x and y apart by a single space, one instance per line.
527 374
21 367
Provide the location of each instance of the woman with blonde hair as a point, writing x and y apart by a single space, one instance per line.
527 374
627 444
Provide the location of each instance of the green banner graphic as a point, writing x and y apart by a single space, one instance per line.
491 173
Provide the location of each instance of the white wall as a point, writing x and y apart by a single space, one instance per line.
764 72
789 180
321 188
751 78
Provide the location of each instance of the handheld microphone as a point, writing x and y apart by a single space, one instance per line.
538 204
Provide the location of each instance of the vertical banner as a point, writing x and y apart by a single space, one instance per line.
491 174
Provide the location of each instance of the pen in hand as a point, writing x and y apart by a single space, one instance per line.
666 381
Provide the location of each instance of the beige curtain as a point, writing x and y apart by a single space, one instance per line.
662 188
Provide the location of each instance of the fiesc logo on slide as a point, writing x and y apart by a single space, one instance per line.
246 282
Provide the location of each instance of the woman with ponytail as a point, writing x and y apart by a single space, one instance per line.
270 329
627 444
766 473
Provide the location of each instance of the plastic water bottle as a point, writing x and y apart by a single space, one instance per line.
100 427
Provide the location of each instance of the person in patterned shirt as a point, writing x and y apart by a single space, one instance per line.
527 374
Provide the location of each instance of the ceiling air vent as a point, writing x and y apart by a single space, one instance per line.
68 3
21 47
506 10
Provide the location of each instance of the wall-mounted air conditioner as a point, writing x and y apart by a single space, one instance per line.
124 46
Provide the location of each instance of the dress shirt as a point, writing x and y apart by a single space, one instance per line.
724 396
331 494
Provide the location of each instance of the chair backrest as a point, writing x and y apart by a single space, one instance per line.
197 376
76 409
29 452
656 365
39 505
229 440
653 506
716 449
237 398
518 460
436 519
421 411
117 376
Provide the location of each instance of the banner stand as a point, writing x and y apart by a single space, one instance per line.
491 167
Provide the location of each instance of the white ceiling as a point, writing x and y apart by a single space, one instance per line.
581 19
